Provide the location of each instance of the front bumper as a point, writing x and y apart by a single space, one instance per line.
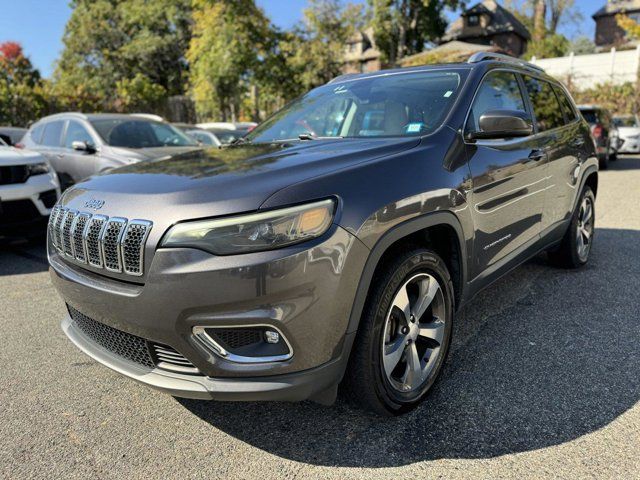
629 146
291 387
306 292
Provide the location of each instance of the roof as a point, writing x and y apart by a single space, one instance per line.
95 116
617 6
448 52
502 21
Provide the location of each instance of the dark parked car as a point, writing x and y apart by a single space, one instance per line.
79 145
335 243
12 135
604 132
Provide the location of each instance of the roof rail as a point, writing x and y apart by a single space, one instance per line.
499 57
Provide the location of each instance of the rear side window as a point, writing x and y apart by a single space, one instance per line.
76 133
36 133
546 107
52 133
499 91
567 106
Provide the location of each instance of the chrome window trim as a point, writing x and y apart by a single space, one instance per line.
200 333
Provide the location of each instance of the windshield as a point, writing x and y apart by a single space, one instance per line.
625 122
406 104
589 115
140 133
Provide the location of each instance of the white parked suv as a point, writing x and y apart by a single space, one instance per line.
29 188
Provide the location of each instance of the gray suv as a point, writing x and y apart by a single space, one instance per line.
334 245
79 145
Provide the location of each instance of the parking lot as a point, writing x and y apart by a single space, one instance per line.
543 380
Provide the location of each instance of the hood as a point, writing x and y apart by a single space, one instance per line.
14 156
624 132
132 155
214 182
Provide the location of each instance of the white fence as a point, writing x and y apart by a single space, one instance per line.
586 71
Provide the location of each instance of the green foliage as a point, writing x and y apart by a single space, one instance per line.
403 27
582 46
552 45
619 99
112 41
139 94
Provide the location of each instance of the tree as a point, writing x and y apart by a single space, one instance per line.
315 49
112 41
23 95
629 25
229 40
403 27
583 46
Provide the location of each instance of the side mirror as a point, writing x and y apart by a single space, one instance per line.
496 124
83 146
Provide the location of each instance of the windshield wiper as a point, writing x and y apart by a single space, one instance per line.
311 136
239 140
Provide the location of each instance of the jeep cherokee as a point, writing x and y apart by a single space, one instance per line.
334 244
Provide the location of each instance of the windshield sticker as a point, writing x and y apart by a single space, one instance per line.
448 94
414 127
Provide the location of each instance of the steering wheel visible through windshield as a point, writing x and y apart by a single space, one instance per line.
383 105
140 133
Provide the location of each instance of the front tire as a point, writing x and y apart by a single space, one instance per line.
576 244
404 334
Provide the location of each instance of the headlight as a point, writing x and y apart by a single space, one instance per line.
38 169
254 232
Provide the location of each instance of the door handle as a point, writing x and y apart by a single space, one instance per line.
537 155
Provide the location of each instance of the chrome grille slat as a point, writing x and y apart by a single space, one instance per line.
65 235
170 359
77 236
110 244
115 244
92 235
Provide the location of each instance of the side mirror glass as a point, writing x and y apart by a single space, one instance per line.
495 124
83 146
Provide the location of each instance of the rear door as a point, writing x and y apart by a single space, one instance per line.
80 164
554 139
51 147
508 175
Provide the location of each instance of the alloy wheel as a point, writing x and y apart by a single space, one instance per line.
414 333
584 233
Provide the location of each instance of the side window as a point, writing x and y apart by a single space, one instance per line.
36 133
499 91
545 104
76 133
567 106
52 133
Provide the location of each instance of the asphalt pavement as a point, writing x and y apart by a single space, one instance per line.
543 381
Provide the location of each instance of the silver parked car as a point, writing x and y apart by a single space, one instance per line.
79 146
628 133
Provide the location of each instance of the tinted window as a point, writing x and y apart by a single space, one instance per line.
52 133
76 133
140 133
591 116
406 104
567 106
36 133
546 108
499 91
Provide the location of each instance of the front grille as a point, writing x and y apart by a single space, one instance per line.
131 347
121 343
116 244
14 174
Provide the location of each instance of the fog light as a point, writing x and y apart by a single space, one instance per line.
271 336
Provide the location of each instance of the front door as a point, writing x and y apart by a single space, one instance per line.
509 178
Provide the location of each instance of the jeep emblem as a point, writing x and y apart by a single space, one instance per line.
94 204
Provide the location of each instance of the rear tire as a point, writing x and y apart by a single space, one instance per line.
576 244
399 352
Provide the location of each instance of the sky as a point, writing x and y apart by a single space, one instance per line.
39 24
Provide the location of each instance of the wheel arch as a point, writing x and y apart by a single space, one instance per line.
440 231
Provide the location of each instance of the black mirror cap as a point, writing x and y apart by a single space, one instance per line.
83 146
495 124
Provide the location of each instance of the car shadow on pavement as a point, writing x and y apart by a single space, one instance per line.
625 162
556 361
23 256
